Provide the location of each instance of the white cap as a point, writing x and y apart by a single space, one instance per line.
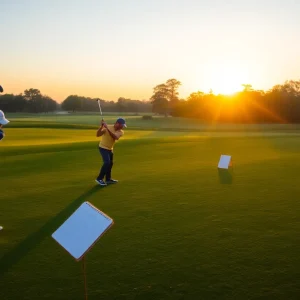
3 121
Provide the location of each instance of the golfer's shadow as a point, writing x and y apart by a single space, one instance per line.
19 251
225 175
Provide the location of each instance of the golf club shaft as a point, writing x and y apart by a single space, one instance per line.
100 108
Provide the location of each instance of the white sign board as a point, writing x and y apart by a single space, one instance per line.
82 230
225 162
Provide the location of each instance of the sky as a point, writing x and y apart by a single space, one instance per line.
124 48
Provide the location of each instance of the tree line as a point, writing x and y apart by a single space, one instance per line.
78 103
33 101
30 101
280 104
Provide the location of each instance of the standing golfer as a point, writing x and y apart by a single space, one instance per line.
3 121
110 134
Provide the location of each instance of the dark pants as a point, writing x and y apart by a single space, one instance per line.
107 157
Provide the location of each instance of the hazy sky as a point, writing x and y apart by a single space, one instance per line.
114 48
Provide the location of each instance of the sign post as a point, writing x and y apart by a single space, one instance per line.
79 233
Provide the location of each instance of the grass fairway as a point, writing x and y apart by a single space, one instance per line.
180 232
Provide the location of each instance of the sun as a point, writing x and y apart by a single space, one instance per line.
227 85
227 78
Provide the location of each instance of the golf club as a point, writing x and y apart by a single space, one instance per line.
98 100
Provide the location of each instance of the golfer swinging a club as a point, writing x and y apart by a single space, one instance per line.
109 135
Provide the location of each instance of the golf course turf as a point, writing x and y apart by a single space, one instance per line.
181 231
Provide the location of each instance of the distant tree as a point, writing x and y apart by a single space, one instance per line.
121 104
20 103
49 105
32 94
199 103
247 87
290 87
37 103
165 96
12 103
159 99
160 105
34 100
172 86
72 103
